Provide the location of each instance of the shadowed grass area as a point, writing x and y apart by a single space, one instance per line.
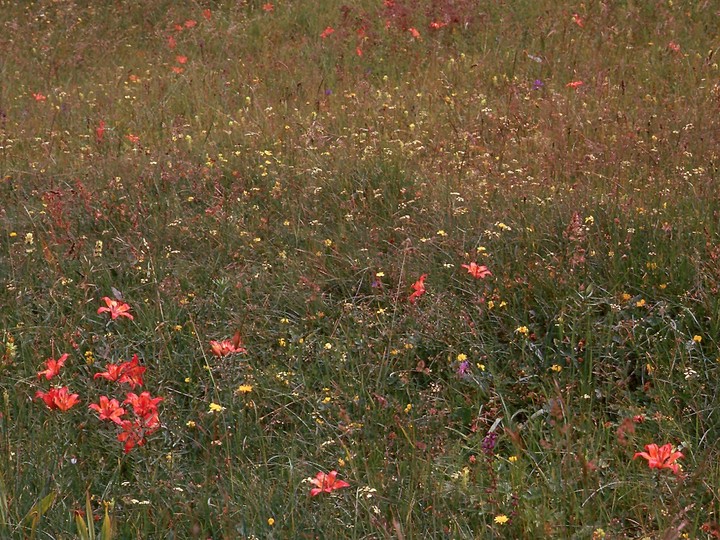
289 171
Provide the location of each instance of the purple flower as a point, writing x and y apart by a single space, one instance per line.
488 444
463 368
538 84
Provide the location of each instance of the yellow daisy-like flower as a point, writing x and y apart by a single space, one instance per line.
522 330
244 389
214 407
501 519
461 357
697 339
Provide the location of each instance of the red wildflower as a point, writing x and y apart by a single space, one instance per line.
477 271
127 372
132 434
578 20
53 367
48 397
207 14
414 33
190 23
109 409
326 483
268 7
116 308
661 457
177 69
171 42
100 131
181 59
358 51
228 346
58 398
419 288
437 25
327 32
575 84
38 96
112 372
144 404
132 372
64 399
674 47
134 139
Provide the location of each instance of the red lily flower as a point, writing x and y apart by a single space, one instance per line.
58 398
64 399
112 372
143 404
116 308
477 271
127 372
48 397
419 288
109 409
100 132
661 457
53 367
132 372
326 483
228 346
132 434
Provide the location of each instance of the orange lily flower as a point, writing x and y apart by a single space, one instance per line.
477 271
661 457
58 398
116 308
127 372
53 367
109 409
419 288
326 483
144 404
228 346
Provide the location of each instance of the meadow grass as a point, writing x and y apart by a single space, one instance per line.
238 166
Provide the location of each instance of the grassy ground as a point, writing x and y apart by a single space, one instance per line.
289 171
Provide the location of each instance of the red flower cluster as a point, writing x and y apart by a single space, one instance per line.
133 432
146 421
58 397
